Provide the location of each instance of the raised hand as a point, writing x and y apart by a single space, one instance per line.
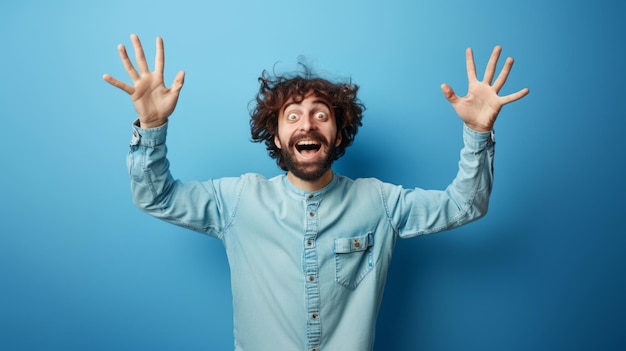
480 107
152 100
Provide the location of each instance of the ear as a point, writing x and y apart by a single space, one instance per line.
277 142
339 138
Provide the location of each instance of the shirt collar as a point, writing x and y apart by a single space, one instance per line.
310 194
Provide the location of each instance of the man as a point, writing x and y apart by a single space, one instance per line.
308 251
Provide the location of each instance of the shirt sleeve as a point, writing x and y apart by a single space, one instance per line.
201 206
417 211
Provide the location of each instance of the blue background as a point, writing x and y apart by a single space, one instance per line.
81 268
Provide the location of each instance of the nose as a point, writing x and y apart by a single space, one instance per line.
307 123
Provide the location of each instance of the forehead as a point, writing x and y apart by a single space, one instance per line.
309 100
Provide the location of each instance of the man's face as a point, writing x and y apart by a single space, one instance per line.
307 135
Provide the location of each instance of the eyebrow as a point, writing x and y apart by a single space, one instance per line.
315 102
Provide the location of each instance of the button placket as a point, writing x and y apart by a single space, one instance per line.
310 272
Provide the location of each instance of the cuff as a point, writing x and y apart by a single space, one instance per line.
473 137
148 136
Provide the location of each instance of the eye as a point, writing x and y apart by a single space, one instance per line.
292 116
320 115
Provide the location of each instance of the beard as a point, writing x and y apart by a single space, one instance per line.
308 170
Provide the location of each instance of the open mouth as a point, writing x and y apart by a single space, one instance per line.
308 147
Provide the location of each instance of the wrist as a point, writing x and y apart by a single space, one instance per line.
479 128
149 125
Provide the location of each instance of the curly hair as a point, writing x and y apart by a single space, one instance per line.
275 91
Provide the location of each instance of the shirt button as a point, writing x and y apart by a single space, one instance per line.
310 196
312 214
357 244
311 278
309 243
314 316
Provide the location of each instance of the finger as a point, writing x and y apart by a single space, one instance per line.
490 71
179 80
159 59
128 65
514 97
504 74
471 67
119 84
140 57
449 94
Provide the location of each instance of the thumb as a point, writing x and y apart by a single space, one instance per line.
179 80
448 93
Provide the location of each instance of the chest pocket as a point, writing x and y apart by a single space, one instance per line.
353 259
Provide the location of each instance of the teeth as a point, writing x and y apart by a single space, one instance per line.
307 142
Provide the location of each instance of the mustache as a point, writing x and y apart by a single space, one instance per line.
312 135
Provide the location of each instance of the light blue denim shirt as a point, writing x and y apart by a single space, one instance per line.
307 268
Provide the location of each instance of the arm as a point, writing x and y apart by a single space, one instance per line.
205 207
417 211
194 205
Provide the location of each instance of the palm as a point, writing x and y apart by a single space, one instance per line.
479 109
153 101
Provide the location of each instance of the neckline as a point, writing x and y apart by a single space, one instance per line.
311 194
